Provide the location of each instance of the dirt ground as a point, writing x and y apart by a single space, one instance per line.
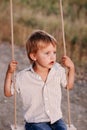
78 95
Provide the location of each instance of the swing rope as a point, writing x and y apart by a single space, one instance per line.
12 43
64 46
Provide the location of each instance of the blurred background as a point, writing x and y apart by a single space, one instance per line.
45 14
37 14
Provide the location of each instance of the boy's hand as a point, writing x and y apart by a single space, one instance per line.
12 66
67 62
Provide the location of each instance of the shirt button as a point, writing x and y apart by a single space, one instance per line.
48 111
46 99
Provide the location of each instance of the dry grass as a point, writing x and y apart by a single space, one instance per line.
30 17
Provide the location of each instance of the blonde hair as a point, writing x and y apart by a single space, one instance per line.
37 40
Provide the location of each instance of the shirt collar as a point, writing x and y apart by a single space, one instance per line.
50 75
32 70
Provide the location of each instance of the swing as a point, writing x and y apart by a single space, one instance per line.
15 126
69 125
21 127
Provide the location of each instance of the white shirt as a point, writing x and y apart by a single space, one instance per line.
41 101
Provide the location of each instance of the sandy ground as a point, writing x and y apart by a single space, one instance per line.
78 95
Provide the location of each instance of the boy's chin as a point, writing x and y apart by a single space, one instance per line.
50 66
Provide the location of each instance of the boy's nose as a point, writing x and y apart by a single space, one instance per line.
53 56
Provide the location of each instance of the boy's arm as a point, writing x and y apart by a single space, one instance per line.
67 62
7 84
8 78
70 77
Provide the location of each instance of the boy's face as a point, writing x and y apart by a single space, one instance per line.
46 57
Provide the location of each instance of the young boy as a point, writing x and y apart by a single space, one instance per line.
40 84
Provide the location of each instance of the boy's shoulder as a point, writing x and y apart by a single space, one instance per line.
58 66
59 69
23 71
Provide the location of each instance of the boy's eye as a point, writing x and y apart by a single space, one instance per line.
47 53
54 52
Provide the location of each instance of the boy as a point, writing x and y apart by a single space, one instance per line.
40 84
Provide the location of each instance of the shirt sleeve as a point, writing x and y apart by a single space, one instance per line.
63 78
15 85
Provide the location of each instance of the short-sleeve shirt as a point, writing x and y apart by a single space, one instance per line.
41 100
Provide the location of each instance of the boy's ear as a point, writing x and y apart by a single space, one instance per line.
32 56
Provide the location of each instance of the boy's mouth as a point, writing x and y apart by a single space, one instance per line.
52 62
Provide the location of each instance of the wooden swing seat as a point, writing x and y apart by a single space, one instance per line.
18 127
71 127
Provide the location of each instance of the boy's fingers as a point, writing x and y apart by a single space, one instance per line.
15 62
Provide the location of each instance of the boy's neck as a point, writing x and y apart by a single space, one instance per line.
43 72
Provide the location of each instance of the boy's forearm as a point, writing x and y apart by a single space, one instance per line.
71 76
7 84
